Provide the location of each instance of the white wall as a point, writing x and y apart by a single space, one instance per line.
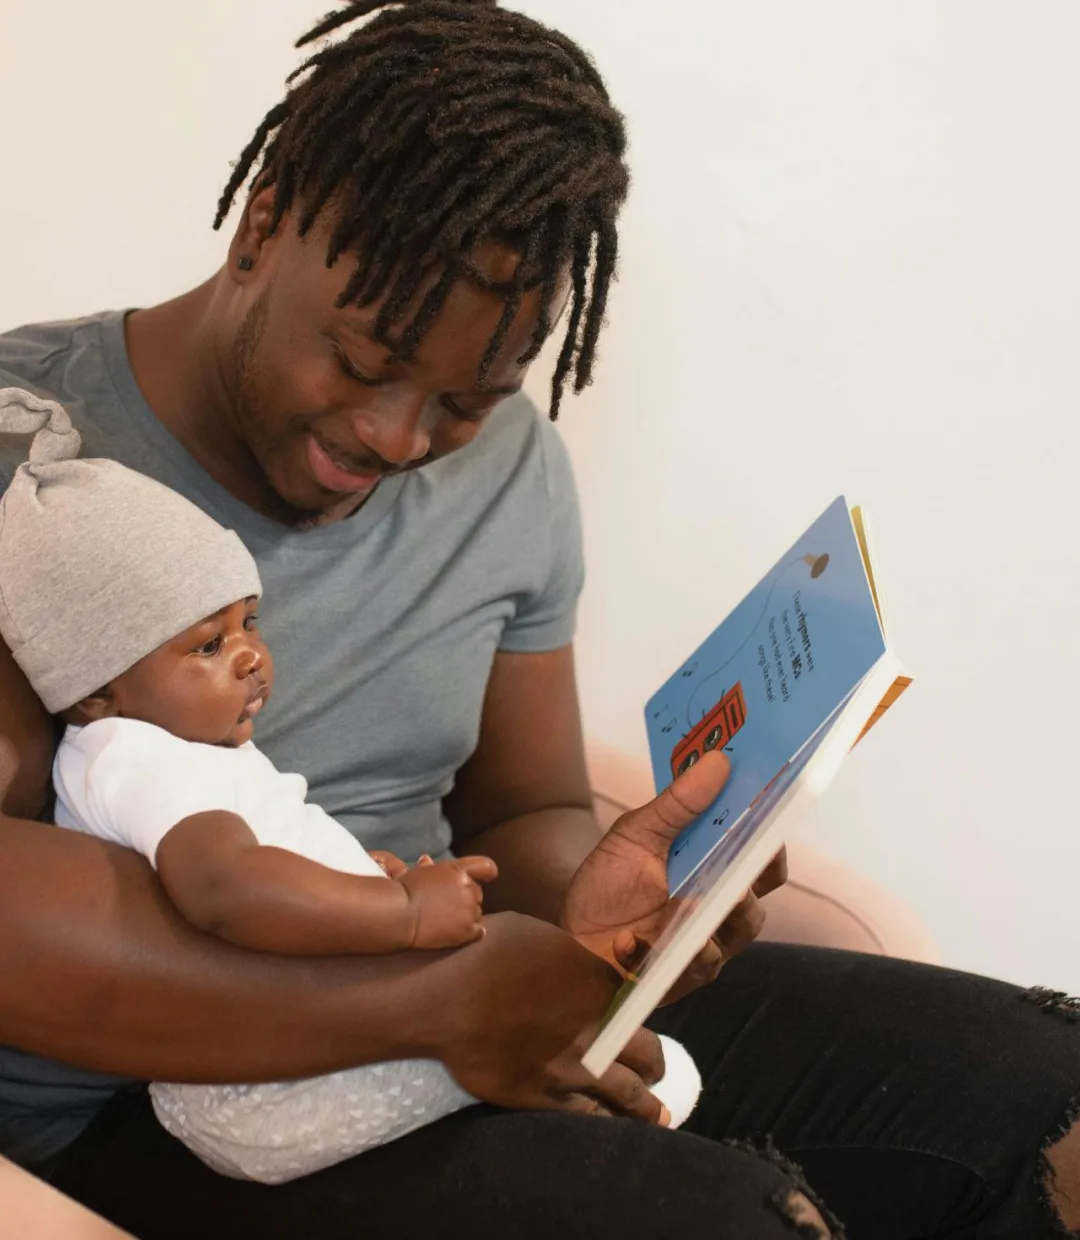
851 264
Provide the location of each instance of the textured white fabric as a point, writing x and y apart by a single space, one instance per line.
275 1133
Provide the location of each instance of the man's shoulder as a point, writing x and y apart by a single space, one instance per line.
37 354
63 361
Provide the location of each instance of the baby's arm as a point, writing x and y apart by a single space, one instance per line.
228 884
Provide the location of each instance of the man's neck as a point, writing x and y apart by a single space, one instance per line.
173 356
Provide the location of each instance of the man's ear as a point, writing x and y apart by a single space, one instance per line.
99 705
252 235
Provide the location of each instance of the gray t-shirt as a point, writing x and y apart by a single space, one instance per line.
383 627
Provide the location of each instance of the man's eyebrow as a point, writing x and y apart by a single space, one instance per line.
362 328
365 329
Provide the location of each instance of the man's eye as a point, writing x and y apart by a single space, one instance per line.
352 371
464 415
209 648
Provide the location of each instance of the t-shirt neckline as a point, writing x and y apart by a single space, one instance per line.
247 522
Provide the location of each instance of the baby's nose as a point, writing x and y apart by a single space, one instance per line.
248 663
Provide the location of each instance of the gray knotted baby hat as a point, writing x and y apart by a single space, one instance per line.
99 565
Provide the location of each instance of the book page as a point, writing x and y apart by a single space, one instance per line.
765 681
898 686
859 525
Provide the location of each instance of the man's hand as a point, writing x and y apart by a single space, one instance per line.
618 902
446 900
531 1001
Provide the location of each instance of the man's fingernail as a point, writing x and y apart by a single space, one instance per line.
665 1117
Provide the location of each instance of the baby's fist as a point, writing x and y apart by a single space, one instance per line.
447 901
391 866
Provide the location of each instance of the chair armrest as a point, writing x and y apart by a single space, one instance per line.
32 1210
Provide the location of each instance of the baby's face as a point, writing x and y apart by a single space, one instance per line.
205 685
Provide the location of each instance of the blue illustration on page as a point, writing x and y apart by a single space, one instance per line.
763 686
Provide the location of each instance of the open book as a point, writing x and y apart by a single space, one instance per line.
794 677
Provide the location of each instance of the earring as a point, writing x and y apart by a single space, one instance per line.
245 262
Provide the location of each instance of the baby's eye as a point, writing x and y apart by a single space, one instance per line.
209 648
251 623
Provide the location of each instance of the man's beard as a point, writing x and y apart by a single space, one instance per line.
246 388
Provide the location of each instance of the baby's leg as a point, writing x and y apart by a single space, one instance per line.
280 1131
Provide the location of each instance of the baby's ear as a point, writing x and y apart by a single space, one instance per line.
99 705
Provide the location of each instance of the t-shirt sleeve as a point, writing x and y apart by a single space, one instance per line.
132 783
546 619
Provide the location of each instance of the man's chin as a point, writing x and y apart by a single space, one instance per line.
310 504
297 498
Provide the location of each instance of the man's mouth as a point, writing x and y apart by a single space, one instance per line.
334 471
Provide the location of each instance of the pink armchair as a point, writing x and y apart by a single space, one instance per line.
824 903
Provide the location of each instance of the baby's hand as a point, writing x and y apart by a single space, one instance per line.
391 866
447 901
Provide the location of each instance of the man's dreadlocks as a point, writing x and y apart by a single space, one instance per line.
433 127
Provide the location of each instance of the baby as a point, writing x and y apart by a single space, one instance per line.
133 615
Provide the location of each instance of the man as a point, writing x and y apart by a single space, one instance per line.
436 190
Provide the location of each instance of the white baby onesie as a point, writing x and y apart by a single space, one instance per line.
132 782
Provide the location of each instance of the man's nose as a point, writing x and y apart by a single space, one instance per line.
399 431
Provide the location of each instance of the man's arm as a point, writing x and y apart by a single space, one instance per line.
523 798
27 744
268 899
103 972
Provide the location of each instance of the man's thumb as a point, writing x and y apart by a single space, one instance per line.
678 805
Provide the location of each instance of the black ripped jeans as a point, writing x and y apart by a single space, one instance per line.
917 1102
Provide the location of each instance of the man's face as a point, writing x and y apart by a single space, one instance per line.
326 410
207 684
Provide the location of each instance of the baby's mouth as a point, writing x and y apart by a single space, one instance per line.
255 704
